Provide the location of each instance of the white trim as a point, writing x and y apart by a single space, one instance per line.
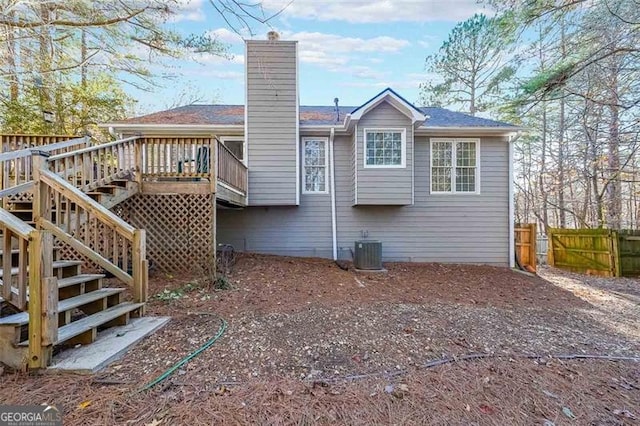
458 129
397 102
225 139
413 166
246 114
297 127
326 166
512 243
403 136
453 166
334 219
355 160
307 127
224 185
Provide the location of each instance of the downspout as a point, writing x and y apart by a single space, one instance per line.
334 224
512 242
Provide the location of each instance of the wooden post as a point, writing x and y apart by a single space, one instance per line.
213 159
43 299
140 267
616 267
533 249
6 264
41 197
138 162
550 258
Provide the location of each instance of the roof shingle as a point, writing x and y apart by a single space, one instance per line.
309 115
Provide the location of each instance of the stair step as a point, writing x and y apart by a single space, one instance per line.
83 325
78 279
22 318
56 264
16 251
19 205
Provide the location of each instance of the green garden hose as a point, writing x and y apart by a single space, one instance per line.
183 361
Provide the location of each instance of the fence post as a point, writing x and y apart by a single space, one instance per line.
615 254
533 248
550 258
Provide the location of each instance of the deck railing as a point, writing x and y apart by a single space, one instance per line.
178 158
231 170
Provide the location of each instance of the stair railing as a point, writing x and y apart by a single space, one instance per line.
92 230
35 251
96 165
16 171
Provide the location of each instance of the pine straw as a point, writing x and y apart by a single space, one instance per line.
496 391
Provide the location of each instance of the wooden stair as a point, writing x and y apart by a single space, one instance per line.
84 306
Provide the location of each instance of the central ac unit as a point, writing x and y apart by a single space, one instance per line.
368 255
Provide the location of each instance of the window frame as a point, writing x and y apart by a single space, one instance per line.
225 139
403 140
325 141
454 166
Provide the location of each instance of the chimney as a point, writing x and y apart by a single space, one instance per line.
272 120
335 101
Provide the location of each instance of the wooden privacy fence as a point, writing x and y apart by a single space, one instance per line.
525 235
603 252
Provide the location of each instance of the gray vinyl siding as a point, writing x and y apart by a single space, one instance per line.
384 186
461 228
303 230
272 117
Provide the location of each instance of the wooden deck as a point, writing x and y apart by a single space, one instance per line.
58 190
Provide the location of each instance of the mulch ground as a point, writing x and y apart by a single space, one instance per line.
310 343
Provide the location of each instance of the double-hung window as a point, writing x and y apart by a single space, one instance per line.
315 162
385 148
454 165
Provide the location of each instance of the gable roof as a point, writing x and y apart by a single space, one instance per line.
393 98
309 116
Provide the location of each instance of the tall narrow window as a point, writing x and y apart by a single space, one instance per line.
315 179
454 166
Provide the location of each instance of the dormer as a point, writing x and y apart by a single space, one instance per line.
383 134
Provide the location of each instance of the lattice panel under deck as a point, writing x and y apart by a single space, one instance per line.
179 229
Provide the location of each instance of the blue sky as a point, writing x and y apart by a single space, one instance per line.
350 49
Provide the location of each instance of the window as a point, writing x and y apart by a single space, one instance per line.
384 148
315 179
454 165
236 146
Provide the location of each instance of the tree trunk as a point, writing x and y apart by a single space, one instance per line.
9 60
614 194
561 133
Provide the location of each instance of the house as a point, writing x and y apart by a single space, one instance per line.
431 184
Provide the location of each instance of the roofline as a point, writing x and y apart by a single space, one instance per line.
157 126
417 115
506 131
309 127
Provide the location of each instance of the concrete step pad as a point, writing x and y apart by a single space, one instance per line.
110 345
